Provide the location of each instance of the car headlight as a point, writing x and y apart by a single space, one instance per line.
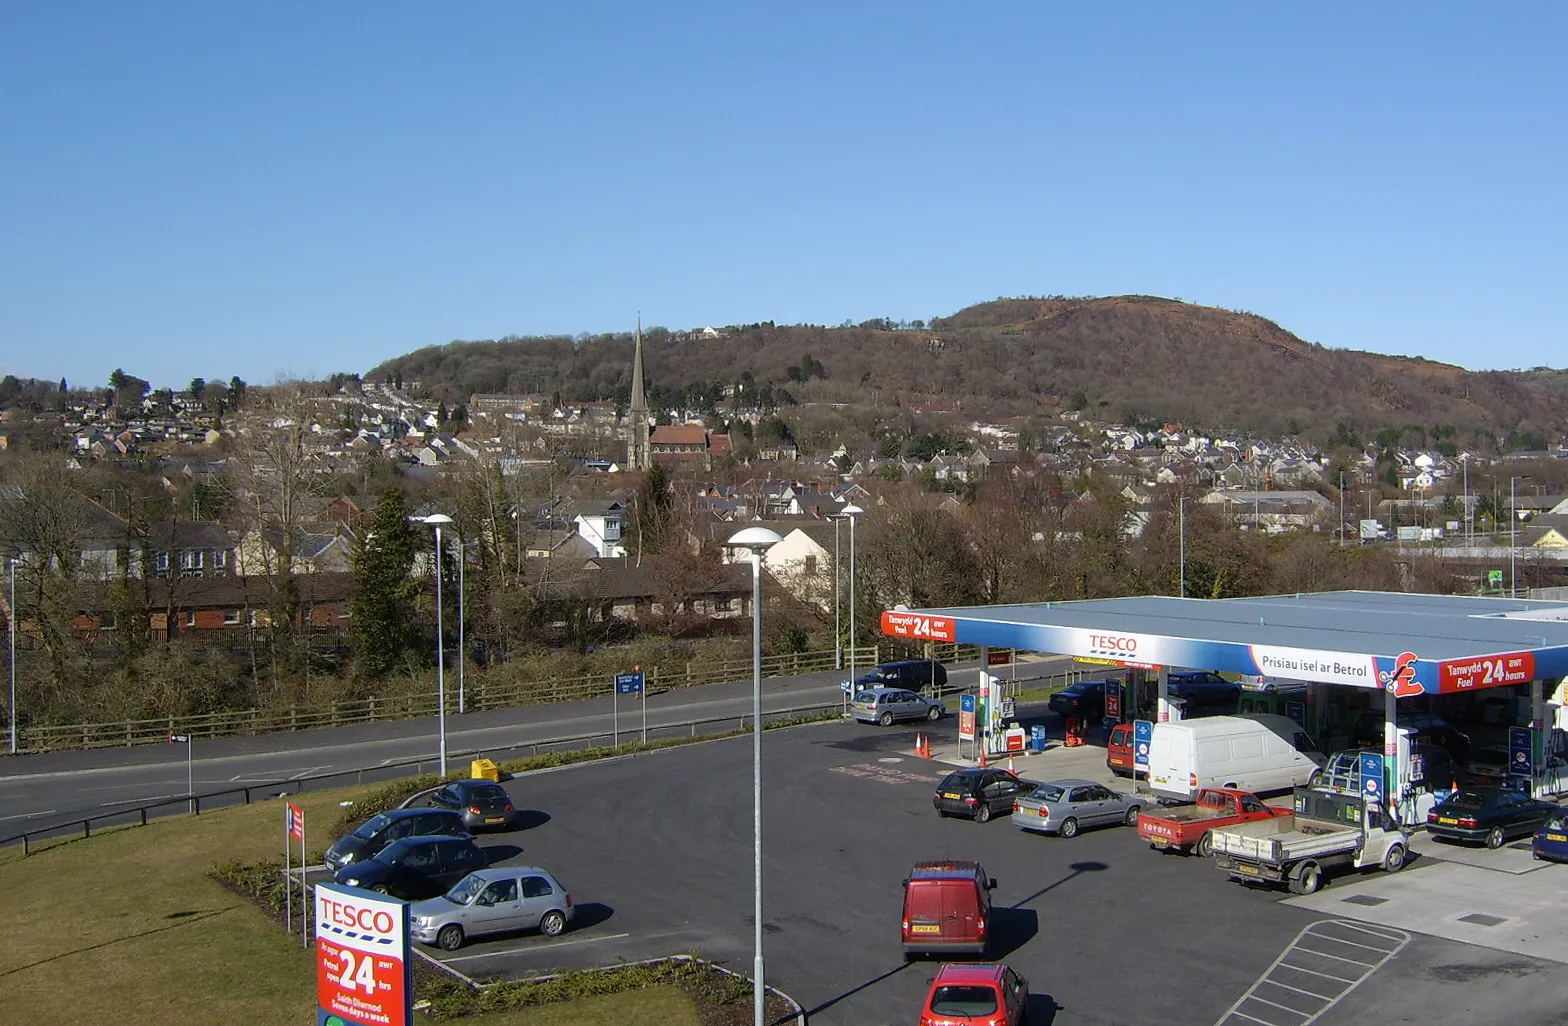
423 920
351 882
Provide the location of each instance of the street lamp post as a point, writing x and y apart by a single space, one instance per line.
462 601
438 521
756 539
850 512
12 565
838 627
1513 535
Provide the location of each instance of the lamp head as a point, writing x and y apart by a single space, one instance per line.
435 520
851 510
754 538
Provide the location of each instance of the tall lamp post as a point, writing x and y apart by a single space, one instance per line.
1513 535
438 521
849 513
11 563
462 602
838 627
756 539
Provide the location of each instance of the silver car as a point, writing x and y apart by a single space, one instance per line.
491 901
884 705
1064 806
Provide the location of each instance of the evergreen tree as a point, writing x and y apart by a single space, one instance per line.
652 512
63 389
381 618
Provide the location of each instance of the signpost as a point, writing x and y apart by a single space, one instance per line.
1372 777
364 969
629 684
966 717
1113 700
1142 735
293 830
190 778
1521 758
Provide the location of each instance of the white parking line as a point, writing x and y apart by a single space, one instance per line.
535 947
1364 947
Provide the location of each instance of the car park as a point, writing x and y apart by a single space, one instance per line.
947 909
1062 807
888 705
1083 700
1551 837
977 793
381 830
909 674
493 900
482 804
1488 814
992 995
416 867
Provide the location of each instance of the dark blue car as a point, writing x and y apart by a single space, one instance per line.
1551 840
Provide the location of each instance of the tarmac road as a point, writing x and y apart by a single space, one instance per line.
37 791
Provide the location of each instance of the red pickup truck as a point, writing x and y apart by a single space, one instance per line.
1186 827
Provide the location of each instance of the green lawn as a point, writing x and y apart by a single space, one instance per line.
126 927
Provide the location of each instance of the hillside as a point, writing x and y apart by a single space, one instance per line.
1126 358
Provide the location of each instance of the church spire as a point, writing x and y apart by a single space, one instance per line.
638 456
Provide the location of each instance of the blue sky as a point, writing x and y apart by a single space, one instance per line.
294 189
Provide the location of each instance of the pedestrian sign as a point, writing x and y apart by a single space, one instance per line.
966 717
1142 737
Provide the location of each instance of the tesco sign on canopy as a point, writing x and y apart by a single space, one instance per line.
1132 649
363 963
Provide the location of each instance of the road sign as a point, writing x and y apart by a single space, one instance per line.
1142 736
296 821
179 739
1521 760
1372 776
363 963
966 717
999 657
628 683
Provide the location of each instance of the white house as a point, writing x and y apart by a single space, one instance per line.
602 522
803 562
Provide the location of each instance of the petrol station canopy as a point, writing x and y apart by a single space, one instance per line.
1410 644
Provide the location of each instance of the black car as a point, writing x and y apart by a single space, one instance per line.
483 805
1487 813
917 675
1084 700
416 867
1203 689
379 831
978 793
1368 732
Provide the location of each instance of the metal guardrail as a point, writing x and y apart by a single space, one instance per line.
479 697
139 815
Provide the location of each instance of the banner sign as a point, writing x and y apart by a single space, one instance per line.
363 964
966 717
1142 735
296 822
999 657
917 625
1485 672
1113 699
1521 760
1372 777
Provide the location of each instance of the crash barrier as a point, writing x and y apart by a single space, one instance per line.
478 697
195 804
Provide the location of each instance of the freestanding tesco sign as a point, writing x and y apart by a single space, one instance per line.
364 969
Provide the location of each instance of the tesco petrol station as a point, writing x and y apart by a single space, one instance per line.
1334 661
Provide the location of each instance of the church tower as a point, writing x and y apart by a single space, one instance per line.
638 455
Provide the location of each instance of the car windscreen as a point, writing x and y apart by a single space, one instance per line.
1556 821
966 1001
486 792
372 827
1490 757
956 782
1075 689
866 697
1046 793
464 891
1466 800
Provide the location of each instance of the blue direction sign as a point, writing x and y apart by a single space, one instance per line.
1142 734
628 683
1372 777
1521 760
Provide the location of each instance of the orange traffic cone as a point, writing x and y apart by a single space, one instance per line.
983 763
1009 764
925 747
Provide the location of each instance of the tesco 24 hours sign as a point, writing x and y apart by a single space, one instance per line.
363 963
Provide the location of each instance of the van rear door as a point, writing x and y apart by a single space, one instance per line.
1170 760
961 899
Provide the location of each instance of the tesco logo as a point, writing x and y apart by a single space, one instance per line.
1113 643
370 920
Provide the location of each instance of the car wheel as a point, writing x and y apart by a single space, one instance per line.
1316 779
1308 878
1495 838
553 924
1132 816
1394 861
934 714
983 813
1069 827
380 888
450 938
886 719
1205 846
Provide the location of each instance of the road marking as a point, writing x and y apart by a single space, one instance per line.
1367 948
884 774
308 771
28 815
535 947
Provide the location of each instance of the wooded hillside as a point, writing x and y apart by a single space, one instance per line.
1130 359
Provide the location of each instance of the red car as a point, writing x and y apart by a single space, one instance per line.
976 995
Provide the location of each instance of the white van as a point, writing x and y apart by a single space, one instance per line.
1258 752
